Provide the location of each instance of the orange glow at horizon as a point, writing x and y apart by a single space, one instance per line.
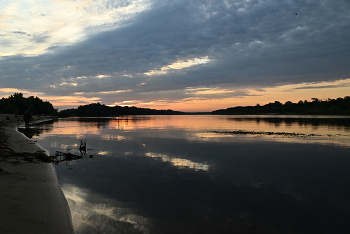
293 93
205 99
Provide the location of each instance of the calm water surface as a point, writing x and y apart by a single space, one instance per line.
204 174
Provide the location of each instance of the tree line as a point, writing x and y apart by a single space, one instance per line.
19 104
101 110
339 106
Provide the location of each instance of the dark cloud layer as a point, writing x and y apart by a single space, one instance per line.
249 44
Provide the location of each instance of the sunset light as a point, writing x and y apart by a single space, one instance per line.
161 55
171 117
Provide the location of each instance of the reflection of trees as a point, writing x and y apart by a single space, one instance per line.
124 122
314 122
93 122
104 122
44 128
119 122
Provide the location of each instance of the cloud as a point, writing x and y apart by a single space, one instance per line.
321 86
159 50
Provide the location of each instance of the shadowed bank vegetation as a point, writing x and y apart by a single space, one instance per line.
16 103
339 106
101 110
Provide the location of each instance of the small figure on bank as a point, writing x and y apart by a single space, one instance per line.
27 117
16 112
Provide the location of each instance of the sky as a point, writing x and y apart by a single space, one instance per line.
184 55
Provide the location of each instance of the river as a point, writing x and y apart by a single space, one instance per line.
204 174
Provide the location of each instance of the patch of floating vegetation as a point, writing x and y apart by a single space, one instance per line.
284 134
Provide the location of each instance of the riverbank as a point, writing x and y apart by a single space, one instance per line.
31 200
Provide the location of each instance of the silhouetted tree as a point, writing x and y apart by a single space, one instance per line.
99 110
339 106
18 103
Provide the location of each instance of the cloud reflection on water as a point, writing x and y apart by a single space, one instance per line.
89 210
180 162
152 177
